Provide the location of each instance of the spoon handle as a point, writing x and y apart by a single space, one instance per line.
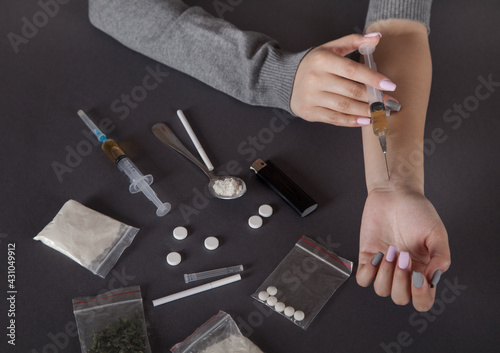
164 134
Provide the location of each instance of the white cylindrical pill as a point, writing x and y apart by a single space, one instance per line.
174 258
271 301
255 222
272 290
299 315
263 295
180 233
211 243
289 311
265 211
279 307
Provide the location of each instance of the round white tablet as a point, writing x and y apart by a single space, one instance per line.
174 258
263 295
271 301
211 243
279 307
289 311
265 211
299 315
272 290
255 222
180 233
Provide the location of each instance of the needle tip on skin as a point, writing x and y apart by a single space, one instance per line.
387 166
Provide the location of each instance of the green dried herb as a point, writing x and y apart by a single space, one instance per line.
126 336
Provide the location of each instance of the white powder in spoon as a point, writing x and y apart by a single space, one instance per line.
227 187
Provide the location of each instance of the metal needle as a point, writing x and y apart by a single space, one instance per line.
383 144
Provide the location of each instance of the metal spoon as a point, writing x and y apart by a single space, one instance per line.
164 134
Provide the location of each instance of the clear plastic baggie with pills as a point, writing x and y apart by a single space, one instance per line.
303 282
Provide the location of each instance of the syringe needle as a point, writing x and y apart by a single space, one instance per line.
383 145
387 166
90 124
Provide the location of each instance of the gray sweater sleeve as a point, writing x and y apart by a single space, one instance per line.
246 65
415 10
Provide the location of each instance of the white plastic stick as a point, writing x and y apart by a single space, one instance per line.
196 290
193 137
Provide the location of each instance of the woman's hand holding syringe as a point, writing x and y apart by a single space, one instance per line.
330 88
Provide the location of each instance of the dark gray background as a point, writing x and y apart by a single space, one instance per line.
69 65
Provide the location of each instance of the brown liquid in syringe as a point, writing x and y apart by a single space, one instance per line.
379 122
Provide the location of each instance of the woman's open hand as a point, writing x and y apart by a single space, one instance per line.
405 227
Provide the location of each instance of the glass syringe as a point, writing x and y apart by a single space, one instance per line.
138 181
377 108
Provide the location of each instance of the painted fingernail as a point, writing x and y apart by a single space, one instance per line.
417 279
373 34
391 253
364 121
404 260
392 105
377 258
435 278
387 85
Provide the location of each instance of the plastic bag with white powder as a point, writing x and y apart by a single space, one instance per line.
220 334
88 237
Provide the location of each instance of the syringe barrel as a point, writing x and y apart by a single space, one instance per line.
367 49
112 150
379 119
374 95
133 173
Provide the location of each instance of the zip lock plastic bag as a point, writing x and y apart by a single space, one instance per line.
303 282
220 334
112 322
91 239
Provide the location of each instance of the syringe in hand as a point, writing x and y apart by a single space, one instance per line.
138 181
377 108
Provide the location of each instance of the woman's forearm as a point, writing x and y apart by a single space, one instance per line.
403 55
248 66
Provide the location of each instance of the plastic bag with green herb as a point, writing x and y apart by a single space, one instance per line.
112 322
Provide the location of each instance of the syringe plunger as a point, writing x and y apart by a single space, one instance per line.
140 182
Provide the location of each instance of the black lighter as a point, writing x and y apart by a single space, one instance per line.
284 187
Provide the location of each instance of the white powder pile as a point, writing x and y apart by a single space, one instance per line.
227 187
233 344
88 237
